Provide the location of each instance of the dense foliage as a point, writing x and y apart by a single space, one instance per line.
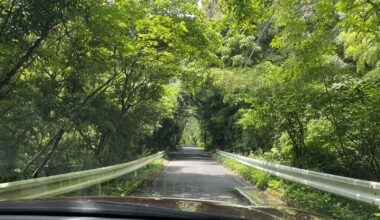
297 82
85 84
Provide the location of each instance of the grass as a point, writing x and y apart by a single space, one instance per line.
303 197
125 185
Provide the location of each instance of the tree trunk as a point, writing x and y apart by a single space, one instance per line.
8 75
39 169
58 136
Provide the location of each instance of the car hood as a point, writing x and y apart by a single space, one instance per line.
183 205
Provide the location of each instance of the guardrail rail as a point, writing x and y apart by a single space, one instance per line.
360 190
59 184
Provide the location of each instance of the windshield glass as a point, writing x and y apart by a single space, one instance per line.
193 100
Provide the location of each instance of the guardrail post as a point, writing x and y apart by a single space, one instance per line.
99 189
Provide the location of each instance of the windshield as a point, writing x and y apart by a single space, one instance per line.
232 102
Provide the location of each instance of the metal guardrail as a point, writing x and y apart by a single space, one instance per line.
361 190
59 184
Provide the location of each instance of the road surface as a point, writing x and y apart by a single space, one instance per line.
193 174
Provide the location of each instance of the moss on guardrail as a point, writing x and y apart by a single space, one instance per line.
303 197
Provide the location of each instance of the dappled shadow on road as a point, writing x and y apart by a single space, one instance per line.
173 169
193 185
193 174
185 167
191 153
191 157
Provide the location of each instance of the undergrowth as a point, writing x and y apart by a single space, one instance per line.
303 197
125 185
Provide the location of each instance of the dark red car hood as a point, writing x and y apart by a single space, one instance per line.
209 207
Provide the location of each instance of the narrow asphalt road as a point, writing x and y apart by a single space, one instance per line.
193 174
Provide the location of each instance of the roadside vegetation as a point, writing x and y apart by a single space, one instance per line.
125 185
302 197
296 82
88 83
